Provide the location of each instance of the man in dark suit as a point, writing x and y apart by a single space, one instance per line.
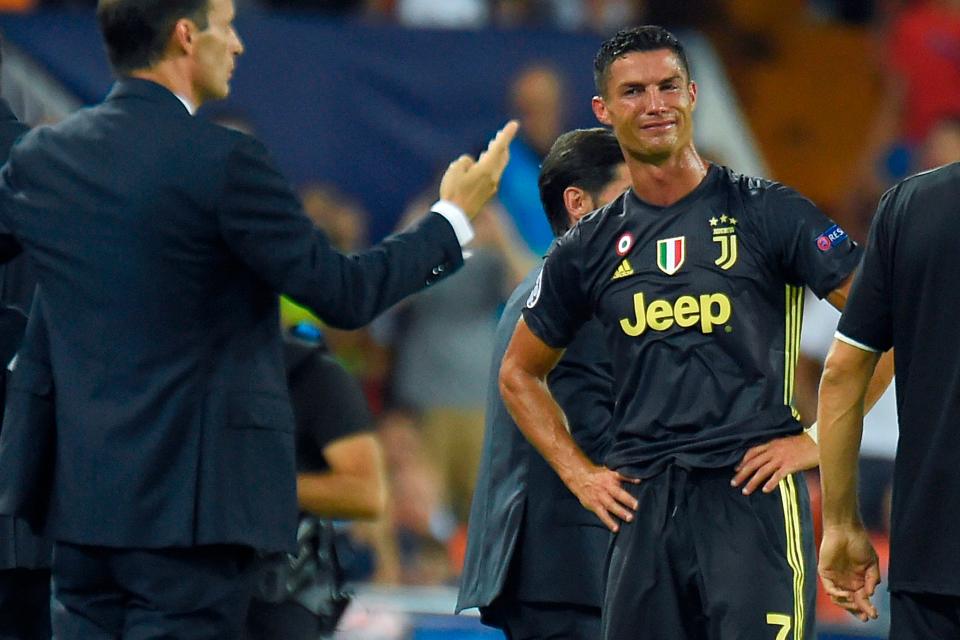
160 243
24 557
534 562
17 281
24 554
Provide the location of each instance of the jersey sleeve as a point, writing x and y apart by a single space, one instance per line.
867 320
812 249
557 306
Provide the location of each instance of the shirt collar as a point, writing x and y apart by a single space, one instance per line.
186 103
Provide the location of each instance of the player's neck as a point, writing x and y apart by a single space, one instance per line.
664 183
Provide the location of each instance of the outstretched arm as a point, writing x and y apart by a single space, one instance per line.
523 387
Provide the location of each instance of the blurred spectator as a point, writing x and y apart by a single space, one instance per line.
444 339
449 14
341 218
920 66
942 145
441 340
522 13
536 96
857 12
345 222
419 517
608 16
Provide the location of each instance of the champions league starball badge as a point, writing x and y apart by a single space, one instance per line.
535 294
831 238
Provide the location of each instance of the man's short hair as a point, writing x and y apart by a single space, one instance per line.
584 158
136 32
646 38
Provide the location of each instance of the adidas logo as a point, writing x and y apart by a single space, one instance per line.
623 270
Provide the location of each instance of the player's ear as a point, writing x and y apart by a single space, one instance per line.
577 202
600 110
692 88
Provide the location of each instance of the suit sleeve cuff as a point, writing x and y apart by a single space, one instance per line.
457 219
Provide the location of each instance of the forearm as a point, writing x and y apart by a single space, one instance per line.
880 381
340 495
840 421
542 422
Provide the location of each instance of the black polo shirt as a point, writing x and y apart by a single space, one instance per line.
328 403
701 304
906 296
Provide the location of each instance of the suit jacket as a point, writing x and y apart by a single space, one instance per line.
20 547
523 520
160 243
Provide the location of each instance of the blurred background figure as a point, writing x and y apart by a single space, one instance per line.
345 222
441 342
449 14
918 52
536 99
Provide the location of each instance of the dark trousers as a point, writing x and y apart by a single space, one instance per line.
520 620
923 616
175 593
25 604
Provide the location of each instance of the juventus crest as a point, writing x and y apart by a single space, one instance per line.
725 234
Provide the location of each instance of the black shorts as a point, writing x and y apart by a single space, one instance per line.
921 616
701 560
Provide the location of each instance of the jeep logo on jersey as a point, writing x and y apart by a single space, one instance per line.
670 254
709 310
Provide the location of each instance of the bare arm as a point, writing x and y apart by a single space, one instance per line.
354 487
883 373
848 563
523 387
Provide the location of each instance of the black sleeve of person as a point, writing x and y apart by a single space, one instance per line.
328 402
868 315
558 306
813 250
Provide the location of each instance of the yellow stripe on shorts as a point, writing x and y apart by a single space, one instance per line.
791 522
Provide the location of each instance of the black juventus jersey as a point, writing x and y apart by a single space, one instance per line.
701 304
